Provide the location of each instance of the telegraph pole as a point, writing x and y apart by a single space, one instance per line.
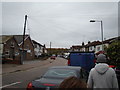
23 52
24 31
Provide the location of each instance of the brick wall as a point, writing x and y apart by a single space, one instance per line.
30 49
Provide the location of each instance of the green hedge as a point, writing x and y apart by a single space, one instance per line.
113 52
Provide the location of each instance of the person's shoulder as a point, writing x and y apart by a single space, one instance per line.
93 69
111 70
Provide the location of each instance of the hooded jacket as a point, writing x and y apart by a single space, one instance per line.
102 77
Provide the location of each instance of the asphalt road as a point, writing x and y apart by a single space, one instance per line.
22 78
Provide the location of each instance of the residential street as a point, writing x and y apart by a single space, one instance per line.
20 78
81 38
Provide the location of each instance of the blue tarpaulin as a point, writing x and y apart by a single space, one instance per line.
85 60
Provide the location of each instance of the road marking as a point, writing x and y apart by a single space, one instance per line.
10 84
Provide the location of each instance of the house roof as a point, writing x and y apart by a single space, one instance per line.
77 47
94 43
109 40
5 38
35 42
19 38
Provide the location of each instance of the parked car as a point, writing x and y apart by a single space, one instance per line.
54 76
53 57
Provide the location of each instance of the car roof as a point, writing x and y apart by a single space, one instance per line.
66 67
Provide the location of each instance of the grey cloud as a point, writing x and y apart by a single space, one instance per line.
64 24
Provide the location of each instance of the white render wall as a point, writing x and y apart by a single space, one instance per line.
91 48
83 49
38 50
106 45
96 48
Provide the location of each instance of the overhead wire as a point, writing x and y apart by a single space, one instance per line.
50 24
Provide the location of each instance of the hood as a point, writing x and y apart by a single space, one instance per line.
101 58
101 68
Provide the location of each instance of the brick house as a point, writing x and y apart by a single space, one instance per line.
11 46
28 45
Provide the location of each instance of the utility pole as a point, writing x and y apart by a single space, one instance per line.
23 51
24 31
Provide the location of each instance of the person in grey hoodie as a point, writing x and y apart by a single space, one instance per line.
102 76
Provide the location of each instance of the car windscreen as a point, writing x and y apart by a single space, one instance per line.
60 73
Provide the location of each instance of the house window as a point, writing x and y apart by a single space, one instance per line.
28 51
98 48
7 52
90 48
16 53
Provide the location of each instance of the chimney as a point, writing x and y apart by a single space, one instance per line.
88 42
44 46
82 43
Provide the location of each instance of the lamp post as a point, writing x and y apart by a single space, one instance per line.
101 23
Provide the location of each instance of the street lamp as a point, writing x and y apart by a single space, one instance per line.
101 23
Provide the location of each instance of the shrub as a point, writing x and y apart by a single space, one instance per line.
113 52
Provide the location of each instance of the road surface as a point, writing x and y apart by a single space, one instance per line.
22 78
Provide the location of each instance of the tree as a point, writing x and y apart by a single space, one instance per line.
113 52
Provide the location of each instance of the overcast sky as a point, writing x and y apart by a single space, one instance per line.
62 23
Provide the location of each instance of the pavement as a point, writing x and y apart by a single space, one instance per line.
11 68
